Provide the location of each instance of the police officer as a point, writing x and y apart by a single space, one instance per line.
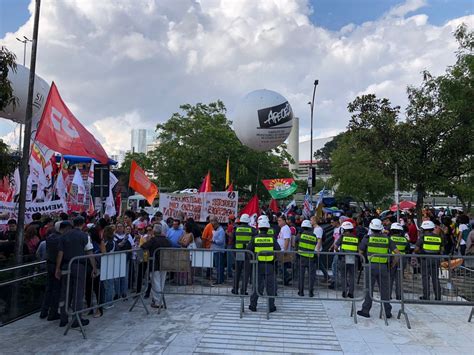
403 245
429 244
265 245
243 234
377 243
348 243
307 257
270 231
50 304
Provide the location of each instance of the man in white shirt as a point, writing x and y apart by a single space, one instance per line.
319 232
284 240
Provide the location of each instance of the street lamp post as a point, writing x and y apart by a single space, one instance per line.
316 82
25 40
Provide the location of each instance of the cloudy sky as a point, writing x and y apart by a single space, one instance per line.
131 63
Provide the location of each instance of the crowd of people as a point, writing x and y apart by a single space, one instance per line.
59 240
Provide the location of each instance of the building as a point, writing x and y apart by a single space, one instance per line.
141 138
303 155
119 157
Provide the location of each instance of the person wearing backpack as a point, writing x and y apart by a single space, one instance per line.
464 230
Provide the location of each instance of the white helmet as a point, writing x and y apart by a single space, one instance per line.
376 224
426 225
264 224
347 226
396 226
262 217
245 218
306 224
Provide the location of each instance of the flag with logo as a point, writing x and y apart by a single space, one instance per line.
307 206
280 188
62 132
140 183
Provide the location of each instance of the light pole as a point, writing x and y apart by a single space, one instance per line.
25 40
24 169
316 82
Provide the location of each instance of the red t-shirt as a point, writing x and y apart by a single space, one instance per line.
412 233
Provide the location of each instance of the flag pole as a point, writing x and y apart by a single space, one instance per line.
24 170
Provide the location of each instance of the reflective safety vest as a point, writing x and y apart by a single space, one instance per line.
349 243
243 235
431 244
264 243
401 243
378 244
307 243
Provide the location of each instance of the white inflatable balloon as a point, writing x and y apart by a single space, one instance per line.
20 81
263 119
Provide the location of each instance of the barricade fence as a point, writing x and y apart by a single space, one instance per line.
303 275
420 279
205 272
91 283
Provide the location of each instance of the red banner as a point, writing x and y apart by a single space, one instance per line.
61 131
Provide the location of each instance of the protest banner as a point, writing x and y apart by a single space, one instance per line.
51 208
201 205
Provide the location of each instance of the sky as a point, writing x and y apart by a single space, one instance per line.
127 64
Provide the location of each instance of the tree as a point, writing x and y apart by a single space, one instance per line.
8 162
356 173
439 153
200 139
7 63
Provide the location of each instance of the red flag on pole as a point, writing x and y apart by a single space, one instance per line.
61 131
252 207
140 183
274 206
206 183
230 187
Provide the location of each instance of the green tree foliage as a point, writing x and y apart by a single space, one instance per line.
440 125
7 63
7 161
356 173
200 139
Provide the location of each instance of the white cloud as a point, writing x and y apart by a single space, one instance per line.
124 64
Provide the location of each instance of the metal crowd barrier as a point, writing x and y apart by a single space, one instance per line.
204 272
118 277
21 290
422 279
304 277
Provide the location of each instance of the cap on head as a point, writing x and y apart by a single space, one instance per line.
427 225
376 224
245 218
306 224
347 226
396 226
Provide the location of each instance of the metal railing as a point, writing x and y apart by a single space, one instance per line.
293 274
205 272
21 290
421 279
103 279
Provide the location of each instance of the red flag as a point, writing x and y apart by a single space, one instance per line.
274 206
118 201
252 207
140 183
206 183
230 187
59 130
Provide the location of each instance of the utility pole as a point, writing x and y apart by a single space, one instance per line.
316 82
24 169
25 40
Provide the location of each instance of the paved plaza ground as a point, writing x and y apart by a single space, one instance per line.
206 324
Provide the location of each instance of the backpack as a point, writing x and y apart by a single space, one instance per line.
466 232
